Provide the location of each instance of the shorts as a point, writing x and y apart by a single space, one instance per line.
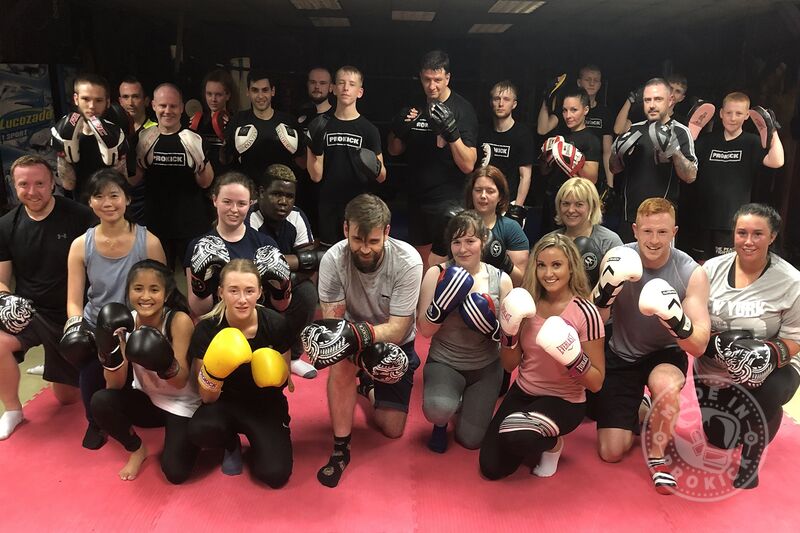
616 405
398 395
45 332
707 243
426 222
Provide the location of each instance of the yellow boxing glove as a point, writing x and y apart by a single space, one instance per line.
269 368
227 351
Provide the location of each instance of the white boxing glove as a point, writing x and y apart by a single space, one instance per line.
244 137
516 306
146 146
660 299
193 144
620 264
559 339
288 137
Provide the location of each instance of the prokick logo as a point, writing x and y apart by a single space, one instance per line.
712 441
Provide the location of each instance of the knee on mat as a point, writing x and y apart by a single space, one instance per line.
273 475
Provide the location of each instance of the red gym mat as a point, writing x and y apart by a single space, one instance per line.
50 483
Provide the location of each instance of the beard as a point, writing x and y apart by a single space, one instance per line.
367 266
316 100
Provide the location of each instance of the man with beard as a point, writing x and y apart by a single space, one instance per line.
369 282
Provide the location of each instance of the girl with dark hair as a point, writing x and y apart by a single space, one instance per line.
97 266
754 304
463 366
152 387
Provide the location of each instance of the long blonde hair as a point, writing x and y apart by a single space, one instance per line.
245 266
578 282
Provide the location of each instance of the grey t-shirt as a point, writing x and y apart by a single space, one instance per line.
636 335
769 307
603 239
392 290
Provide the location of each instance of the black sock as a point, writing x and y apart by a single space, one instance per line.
94 438
330 474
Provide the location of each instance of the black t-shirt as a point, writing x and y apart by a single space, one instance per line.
267 148
341 181
511 149
644 178
245 248
176 207
90 162
434 177
586 142
38 252
600 121
273 332
725 175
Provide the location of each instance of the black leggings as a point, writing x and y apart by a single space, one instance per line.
301 312
727 422
117 410
502 453
215 425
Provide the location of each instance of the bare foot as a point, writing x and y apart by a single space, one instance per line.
134 464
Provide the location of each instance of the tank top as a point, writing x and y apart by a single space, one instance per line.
460 347
181 402
107 276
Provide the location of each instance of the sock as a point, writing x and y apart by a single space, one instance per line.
548 464
330 474
232 459
94 438
365 384
438 440
664 482
9 422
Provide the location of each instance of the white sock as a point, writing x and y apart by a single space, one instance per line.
8 422
548 464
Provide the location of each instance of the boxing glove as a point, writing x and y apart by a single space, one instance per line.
560 340
383 361
275 273
590 255
765 123
660 299
443 122
77 345
114 319
331 340
209 256
110 140
309 260
367 164
269 368
515 307
148 348
67 137
478 313
636 96
317 133
547 147
145 147
193 146
624 146
227 351
494 253
16 313
219 120
665 142
452 287
401 126
619 265
288 137
518 214
244 137
751 361
568 158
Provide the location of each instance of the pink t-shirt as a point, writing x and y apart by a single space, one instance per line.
540 374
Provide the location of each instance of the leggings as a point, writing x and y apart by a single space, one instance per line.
117 410
502 453
728 421
216 425
476 390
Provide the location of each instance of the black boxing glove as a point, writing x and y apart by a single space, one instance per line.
494 253
209 256
148 348
77 345
400 126
443 122
518 214
309 260
383 361
16 313
331 340
591 257
316 133
274 271
113 318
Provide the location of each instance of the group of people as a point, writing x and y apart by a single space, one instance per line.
587 322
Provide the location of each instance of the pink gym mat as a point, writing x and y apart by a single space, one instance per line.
50 483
